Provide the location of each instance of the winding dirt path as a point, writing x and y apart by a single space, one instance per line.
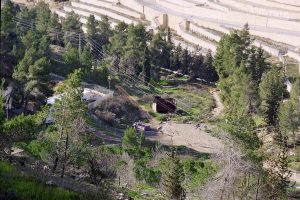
219 105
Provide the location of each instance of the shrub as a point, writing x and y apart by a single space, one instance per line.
106 116
123 109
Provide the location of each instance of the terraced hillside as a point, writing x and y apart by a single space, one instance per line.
275 25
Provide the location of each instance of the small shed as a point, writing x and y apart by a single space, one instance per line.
161 105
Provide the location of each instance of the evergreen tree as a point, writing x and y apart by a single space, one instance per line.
196 65
118 41
146 66
43 17
209 72
175 58
105 31
134 48
172 178
86 59
156 47
54 30
271 90
92 36
131 142
92 27
278 171
71 27
289 115
68 137
185 58
71 58
9 40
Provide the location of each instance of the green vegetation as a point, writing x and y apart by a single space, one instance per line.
251 89
14 185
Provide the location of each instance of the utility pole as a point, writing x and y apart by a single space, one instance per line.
108 78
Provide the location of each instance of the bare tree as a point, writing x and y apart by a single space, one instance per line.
233 180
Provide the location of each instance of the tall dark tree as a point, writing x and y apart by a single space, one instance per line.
175 58
55 29
43 17
92 36
185 58
118 42
272 90
172 178
71 28
134 48
8 39
196 68
68 137
209 71
146 66
105 32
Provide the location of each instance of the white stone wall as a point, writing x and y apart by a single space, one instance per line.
88 8
261 10
205 32
217 6
156 18
294 54
291 40
274 4
113 7
195 40
290 2
271 50
195 10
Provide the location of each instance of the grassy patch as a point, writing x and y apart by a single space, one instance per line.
259 121
198 172
292 71
14 185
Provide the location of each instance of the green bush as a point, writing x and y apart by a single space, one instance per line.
198 172
144 173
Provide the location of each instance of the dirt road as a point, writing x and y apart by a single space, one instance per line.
189 135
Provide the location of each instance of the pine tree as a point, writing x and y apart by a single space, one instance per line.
196 68
71 58
8 32
271 90
172 178
146 66
175 58
134 48
54 29
104 30
156 47
118 41
279 173
43 17
71 27
185 58
209 71
69 122
289 115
